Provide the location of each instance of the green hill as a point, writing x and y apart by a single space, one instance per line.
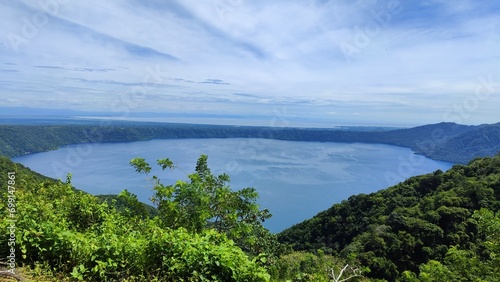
405 226
443 141
482 141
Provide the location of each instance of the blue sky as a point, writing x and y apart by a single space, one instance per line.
263 62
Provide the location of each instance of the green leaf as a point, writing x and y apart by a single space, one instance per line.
140 165
165 163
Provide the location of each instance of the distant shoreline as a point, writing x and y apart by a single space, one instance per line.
443 141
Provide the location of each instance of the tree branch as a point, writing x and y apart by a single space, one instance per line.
356 273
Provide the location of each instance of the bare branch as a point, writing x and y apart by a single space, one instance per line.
342 272
356 273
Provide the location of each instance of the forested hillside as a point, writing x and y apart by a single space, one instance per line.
201 230
443 141
436 227
428 225
483 141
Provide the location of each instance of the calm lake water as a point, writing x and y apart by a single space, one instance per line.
295 180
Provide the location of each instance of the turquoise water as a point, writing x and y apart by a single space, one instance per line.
295 180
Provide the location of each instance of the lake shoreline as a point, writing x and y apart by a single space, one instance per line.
294 179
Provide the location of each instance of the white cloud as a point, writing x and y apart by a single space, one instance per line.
420 57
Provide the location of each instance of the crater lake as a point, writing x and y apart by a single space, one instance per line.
295 180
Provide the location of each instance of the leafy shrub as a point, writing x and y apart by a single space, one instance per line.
73 233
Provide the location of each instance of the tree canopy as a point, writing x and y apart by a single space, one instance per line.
412 225
206 201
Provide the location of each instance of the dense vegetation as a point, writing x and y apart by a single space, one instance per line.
202 231
443 141
71 232
434 227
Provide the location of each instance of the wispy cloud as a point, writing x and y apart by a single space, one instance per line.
387 60
76 69
215 81
112 82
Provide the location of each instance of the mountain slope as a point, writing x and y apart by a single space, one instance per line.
443 141
406 225
483 141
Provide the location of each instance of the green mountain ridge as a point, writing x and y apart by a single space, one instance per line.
483 141
443 141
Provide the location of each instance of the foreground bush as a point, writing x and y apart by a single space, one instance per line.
72 233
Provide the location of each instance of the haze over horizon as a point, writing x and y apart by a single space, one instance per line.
294 63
